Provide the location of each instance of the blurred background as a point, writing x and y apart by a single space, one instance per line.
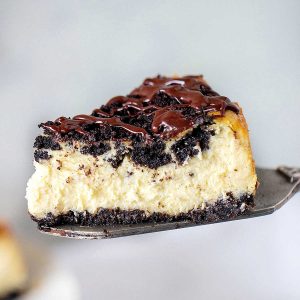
69 57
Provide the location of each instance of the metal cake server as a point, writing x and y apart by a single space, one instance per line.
276 188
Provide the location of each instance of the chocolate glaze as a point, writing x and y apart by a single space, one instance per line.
168 121
172 121
65 125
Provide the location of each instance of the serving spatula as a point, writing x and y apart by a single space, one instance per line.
275 189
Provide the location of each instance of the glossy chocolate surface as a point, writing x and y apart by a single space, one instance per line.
163 99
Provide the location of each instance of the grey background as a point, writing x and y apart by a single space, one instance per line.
68 57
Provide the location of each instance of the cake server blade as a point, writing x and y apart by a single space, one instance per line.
275 189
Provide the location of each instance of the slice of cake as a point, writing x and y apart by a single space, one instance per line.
173 149
13 273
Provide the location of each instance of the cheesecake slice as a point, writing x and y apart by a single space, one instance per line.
173 149
13 273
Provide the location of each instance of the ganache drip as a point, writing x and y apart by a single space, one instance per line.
168 120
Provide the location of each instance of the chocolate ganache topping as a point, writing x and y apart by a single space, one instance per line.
166 101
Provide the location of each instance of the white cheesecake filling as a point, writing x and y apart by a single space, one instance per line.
72 181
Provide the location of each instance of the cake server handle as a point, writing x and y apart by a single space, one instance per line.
293 174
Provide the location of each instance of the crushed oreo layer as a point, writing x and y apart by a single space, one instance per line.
223 209
152 155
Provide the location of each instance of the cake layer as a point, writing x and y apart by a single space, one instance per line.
13 274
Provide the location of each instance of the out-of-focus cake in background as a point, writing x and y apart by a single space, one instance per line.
13 272
172 149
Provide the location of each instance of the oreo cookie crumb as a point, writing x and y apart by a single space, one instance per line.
41 155
162 99
185 148
152 156
120 155
95 149
46 142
